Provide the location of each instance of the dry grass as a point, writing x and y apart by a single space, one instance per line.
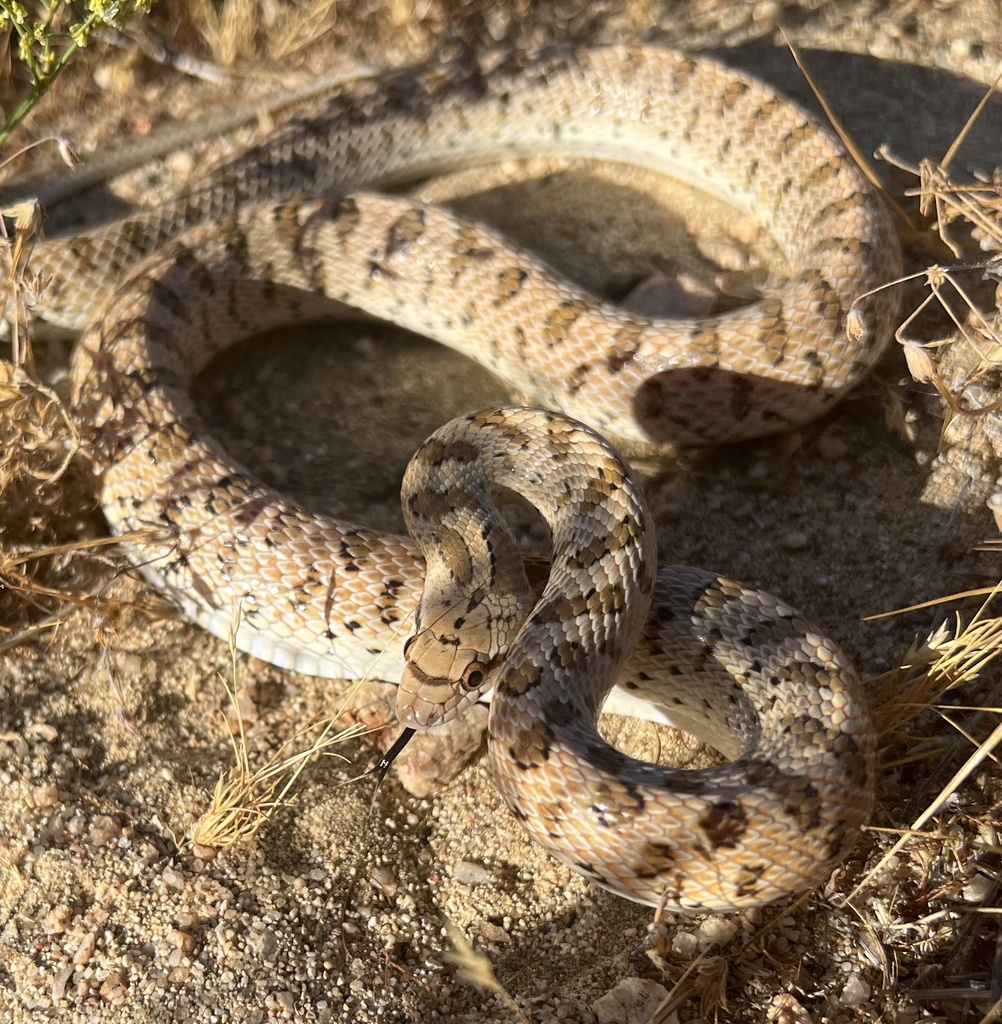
953 834
41 573
965 219
473 968
245 798
946 659
965 215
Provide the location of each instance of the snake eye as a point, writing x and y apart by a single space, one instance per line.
473 677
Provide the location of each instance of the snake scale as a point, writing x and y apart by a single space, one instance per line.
285 230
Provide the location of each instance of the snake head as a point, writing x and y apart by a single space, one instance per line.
440 680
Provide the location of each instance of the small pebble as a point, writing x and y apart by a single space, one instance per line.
716 931
181 940
632 1001
856 992
684 945
57 920
263 943
59 983
979 889
384 878
172 878
41 731
114 990
85 949
149 853
493 932
470 873
46 795
795 540
103 830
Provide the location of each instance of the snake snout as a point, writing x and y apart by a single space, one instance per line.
414 712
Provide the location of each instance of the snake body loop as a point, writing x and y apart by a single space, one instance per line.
773 821
752 371
176 285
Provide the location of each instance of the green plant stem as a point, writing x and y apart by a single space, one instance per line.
37 91
78 35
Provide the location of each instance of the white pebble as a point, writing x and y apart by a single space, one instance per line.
59 982
856 992
85 949
632 1001
468 872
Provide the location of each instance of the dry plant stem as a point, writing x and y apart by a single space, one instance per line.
933 602
935 188
964 732
936 175
921 366
16 580
681 992
833 119
24 636
983 751
244 799
26 220
473 968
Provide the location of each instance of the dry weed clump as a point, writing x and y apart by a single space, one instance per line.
929 886
925 903
965 218
47 500
948 658
244 798
38 441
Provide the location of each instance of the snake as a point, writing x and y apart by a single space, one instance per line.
306 222
783 702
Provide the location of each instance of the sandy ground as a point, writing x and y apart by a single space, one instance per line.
111 732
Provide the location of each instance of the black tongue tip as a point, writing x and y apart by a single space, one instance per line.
391 755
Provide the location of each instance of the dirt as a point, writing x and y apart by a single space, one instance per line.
113 722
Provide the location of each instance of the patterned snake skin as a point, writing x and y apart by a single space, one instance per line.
773 821
325 597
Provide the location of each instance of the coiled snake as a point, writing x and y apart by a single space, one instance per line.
325 597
